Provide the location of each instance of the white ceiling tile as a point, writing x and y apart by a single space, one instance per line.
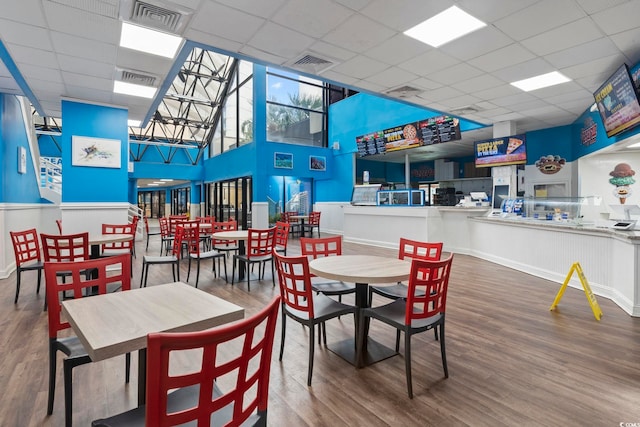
403 14
314 18
478 43
441 94
89 82
514 99
524 70
269 38
149 64
568 36
425 83
25 35
629 42
497 92
481 82
397 49
594 6
429 62
540 17
369 86
562 88
214 42
460 101
85 66
360 67
82 47
223 21
42 73
492 10
265 57
455 74
266 8
340 78
37 84
354 4
9 85
583 53
359 34
494 112
607 63
80 23
392 77
617 19
28 11
87 93
502 58
28 55
327 50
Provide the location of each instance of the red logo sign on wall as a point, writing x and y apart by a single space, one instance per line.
589 132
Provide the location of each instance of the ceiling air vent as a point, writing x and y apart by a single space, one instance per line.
136 77
163 16
469 109
311 63
404 92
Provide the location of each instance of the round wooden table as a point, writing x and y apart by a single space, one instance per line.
362 270
239 235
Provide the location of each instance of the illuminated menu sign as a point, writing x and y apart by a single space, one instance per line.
509 150
434 130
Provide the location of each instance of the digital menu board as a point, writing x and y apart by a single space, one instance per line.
510 150
434 130
617 102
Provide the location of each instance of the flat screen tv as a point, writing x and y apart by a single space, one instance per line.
617 101
509 150
500 194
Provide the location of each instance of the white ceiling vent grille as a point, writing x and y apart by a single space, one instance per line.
108 8
165 17
136 77
311 63
404 91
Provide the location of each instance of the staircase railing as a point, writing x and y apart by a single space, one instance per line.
50 175
136 211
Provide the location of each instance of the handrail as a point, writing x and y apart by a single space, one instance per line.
133 211
50 175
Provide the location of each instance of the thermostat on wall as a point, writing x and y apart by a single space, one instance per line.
624 225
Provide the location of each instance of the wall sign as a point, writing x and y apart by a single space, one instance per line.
95 152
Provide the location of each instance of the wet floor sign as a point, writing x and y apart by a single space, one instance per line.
597 312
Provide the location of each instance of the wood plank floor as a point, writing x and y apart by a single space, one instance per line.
511 361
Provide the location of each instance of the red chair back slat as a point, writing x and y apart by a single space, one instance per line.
432 277
25 246
414 249
314 218
174 220
318 247
191 236
282 234
250 383
224 226
104 271
65 247
59 224
119 229
261 242
294 279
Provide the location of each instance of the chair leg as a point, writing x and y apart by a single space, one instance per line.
189 269
397 340
39 281
442 351
311 350
407 362
284 328
147 248
142 282
197 271
127 367
15 301
52 377
233 271
177 266
68 393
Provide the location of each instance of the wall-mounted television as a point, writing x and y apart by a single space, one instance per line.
617 101
509 150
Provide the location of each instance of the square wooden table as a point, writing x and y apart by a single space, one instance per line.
118 323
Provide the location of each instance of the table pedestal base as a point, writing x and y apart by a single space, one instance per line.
374 353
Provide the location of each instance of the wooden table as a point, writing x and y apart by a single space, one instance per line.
97 240
362 270
118 323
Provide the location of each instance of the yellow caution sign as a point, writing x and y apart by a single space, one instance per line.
597 312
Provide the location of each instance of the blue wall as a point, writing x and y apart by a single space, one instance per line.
15 187
94 184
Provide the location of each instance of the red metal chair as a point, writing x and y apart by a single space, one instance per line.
319 247
112 270
313 222
259 250
59 224
282 236
173 259
26 249
199 396
117 248
301 304
224 245
423 309
409 249
191 236
295 225
166 236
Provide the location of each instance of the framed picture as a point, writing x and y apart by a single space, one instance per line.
317 163
95 152
22 160
283 160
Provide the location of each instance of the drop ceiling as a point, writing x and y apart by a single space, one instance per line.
69 49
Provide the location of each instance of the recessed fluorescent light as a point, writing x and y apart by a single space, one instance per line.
543 80
149 41
152 184
636 145
445 26
133 89
166 179
133 123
